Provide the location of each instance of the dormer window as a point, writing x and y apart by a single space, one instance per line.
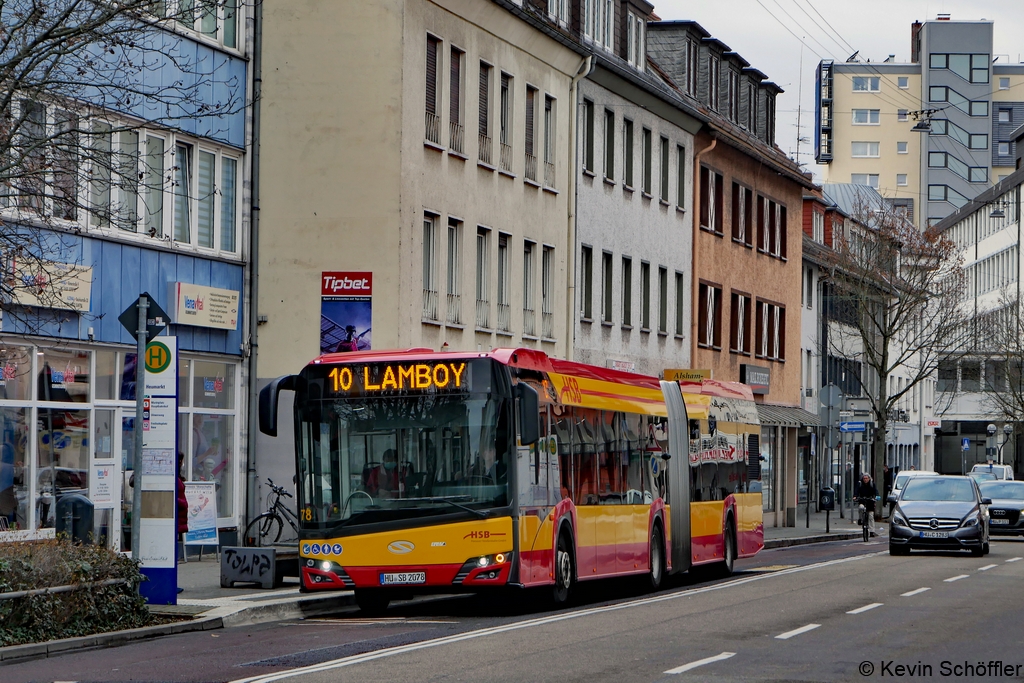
599 22
714 81
636 49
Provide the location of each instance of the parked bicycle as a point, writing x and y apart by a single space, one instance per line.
265 530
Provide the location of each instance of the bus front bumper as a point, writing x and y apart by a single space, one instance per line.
489 570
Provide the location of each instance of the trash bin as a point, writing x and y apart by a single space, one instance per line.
827 499
74 517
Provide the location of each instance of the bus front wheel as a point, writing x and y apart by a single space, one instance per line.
372 601
563 571
729 553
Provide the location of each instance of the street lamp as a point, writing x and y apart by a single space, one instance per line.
990 451
1007 430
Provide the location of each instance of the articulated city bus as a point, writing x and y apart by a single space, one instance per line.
421 472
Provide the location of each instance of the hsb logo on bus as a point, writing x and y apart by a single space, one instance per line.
482 535
571 391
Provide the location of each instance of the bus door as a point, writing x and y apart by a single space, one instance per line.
679 477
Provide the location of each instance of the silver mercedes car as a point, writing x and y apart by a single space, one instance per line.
939 513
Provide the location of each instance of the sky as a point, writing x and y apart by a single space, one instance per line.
832 29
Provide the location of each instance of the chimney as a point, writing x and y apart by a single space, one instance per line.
915 42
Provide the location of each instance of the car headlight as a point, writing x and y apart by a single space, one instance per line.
972 520
899 520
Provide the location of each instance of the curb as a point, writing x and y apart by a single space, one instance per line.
804 540
255 614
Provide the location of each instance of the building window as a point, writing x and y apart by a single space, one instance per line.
505 123
217 20
588 136
453 279
530 134
867 117
547 293
973 68
648 162
483 115
455 130
692 58
483 278
559 10
903 82
1005 115
606 287
549 141
901 115
433 87
430 267
609 144
869 179
818 227
1004 83
709 316
714 81
864 149
866 83
681 176
711 200
739 323
645 296
587 283
742 215
663 300
901 179
771 331
752 108
504 310
664 169
627 291
529 314
1004 149
680 303
734 96
901 147
627 154
635 40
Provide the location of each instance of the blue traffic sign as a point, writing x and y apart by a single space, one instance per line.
846 427
965 444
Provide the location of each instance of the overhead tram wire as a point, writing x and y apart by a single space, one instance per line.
834 31
789 30
800 26
830 35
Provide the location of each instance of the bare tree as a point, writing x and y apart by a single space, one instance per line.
1000 341
78 79
897 303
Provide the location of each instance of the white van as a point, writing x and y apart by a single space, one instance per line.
904 476
1000 471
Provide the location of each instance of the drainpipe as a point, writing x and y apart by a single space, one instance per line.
570 261
695 284
254 252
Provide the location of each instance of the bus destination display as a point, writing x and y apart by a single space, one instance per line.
378 378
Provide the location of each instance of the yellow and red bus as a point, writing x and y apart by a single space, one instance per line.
420 471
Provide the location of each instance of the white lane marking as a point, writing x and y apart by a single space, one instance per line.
914 592
797 631
700 662
865 608
530 623
1014 559
956 578
987 567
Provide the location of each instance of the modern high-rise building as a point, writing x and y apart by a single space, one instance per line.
930 134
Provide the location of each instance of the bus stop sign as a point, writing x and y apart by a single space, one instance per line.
156 318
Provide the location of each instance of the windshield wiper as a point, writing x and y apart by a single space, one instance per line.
446 499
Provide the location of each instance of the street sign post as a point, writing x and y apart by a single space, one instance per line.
155 317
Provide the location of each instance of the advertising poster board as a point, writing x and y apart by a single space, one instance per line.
202 513
346 304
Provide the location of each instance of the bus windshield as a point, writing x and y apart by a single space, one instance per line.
369 459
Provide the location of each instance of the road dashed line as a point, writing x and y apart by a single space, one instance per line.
956 578
700 662
987 567
914 592
865 608
1014 559
797 631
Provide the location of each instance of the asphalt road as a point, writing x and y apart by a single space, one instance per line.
828 612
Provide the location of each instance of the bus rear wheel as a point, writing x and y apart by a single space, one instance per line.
728 562
563 572
657 572
372 601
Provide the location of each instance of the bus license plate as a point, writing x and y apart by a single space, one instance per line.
998 521
397 578
934 534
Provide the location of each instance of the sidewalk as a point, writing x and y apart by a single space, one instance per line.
839 530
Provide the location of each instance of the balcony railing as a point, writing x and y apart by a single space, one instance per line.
504 317
484 146
454 309
433 131
547 325
531 167
549 174
506 157
455 137
529 322
430 304
483 313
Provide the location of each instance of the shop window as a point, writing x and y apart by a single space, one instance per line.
14 467
63 376
105 379
63 460
212 448
213 385
184 388
15 372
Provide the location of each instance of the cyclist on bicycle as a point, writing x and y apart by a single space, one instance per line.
865 494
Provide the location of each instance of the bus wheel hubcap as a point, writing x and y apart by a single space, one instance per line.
563 568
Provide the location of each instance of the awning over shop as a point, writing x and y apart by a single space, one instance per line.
786 416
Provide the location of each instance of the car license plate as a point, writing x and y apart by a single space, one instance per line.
396 578
934 534
999 521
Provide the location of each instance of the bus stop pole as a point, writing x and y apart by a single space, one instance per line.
140 390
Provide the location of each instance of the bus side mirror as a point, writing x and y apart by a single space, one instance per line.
268 402
529 414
